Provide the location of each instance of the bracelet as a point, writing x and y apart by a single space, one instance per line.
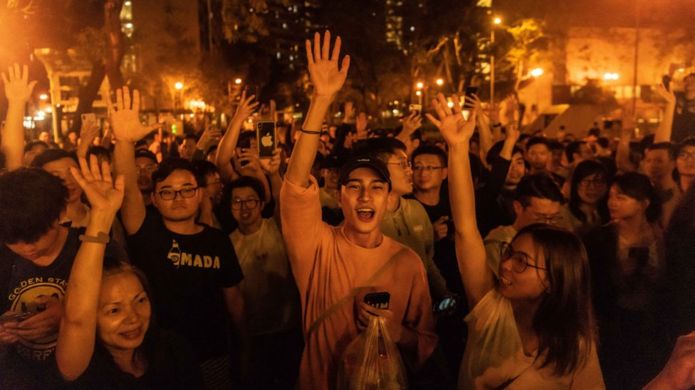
101 238
310 132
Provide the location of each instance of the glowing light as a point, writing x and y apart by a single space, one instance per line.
238 81
420 85
450 104
418 93
611 76
497 20
48 110
178 85
439 82
536 72
43 96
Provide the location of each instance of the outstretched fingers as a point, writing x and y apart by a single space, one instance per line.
94 167
336 49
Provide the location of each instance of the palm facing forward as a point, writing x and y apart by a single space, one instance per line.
323 66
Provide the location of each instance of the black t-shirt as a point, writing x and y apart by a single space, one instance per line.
26 287
170 365
187 274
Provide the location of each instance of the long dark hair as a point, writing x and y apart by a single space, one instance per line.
564 321
637 186
583 170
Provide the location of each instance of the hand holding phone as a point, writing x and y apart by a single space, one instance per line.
266 138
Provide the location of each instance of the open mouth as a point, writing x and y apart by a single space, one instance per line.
132 334
365 214
505 282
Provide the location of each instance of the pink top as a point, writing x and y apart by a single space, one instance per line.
327 267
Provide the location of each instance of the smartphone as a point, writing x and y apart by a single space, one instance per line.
266 138
666 80
379 300
15 317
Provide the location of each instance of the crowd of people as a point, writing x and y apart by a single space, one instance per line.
500 259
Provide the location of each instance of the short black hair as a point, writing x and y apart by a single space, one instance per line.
382 148
202 169
572 148
51 155
31 144
247 181
688 141
144 153
170 165
430 149
661 146
637 186
31 201
495 150
540 185
536 140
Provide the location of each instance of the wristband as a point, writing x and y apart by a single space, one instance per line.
101 238
310 132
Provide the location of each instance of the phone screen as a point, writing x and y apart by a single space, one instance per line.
266 138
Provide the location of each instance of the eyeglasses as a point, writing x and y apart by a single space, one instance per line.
686 156
520 260
425 168
593 182
404 164
247 203
184 192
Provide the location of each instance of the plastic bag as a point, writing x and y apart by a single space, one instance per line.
372 361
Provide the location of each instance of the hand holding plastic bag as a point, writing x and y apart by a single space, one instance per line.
372 361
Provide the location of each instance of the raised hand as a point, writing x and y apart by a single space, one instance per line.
103 193
210 137
666 94
349 111
18 88
455 129
271 166
324 72
361 125
411 123
88 133
245 108
124 116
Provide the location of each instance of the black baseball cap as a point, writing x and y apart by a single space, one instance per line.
146 154
370 162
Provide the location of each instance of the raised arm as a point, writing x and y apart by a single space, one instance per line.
327 79
470 251
77 333
225 150
663 133
484 130
88 132
622 154
18 89
127 129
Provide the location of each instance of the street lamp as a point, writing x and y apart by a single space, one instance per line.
439 82
238 81
43 97
536 72
420 85
496 21
178 85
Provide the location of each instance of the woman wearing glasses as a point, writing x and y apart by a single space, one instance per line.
532 328
587 207
626 258
274 343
